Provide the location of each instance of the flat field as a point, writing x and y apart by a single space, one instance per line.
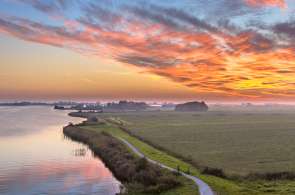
237 141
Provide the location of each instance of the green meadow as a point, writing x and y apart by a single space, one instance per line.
237 142
221 186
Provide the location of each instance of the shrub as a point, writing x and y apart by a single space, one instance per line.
214 171
272 176
92 119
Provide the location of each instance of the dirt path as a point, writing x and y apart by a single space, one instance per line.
204 189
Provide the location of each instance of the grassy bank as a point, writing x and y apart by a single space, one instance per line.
138 175
222 186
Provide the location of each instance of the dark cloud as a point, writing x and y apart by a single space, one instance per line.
37 32
153 16
180 79
285 71
50 6
19 29
147 61
96 15
228 9
285 29
184 17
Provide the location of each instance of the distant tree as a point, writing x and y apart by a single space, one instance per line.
192 106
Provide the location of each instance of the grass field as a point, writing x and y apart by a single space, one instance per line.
221 186
239 142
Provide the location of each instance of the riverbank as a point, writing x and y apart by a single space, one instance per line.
137 174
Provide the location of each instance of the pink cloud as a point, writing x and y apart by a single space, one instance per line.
275 3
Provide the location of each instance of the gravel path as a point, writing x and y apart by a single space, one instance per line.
204 189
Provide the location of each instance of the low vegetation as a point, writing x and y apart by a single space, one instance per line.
137 174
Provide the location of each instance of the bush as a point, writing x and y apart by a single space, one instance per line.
92 119
141 164
213 171
272 176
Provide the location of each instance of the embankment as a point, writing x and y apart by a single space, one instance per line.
137 174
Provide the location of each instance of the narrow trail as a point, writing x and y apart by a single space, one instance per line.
204 189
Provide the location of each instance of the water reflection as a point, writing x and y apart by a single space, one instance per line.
44 162
52 177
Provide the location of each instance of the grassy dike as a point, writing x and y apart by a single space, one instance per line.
138 176
220 185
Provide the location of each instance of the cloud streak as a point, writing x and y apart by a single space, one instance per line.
275 3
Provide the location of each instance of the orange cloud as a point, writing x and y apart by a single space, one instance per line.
209 60
275 3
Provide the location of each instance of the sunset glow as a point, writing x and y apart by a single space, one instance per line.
279 3
204 49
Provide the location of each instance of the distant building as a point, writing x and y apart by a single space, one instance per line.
192 107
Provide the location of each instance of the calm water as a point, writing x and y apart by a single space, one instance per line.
35 158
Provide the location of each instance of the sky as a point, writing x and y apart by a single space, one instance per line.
225 50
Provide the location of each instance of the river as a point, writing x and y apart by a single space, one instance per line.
36 158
